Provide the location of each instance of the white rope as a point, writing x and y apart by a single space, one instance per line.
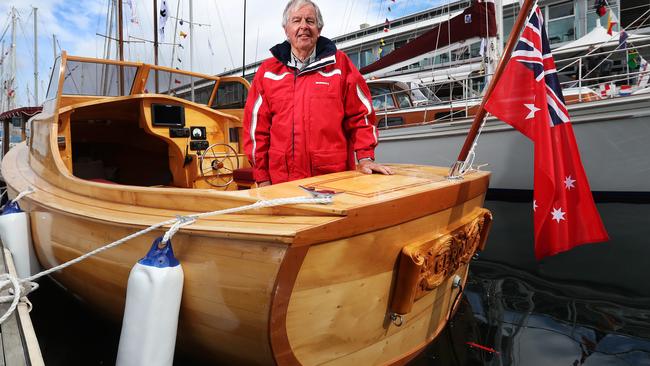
4 191
471 155
22 194
8 279
22 287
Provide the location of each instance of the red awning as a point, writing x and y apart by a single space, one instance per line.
24 112
476 21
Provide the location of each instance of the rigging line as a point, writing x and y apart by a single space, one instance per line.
178 6
142 40
366 21
368 10
342 22
8 23
379 13
188 22
21 71
225 35
347 25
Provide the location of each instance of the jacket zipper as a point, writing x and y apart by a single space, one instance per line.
293 120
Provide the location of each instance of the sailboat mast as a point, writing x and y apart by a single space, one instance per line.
155 36
121 42
155 43
2 79
480 114
192 47
243 57
35 58
120 30
11 96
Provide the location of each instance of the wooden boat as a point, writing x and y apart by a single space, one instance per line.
369 279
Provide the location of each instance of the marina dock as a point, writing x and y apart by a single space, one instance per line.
19 342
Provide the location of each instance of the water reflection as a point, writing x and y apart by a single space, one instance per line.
514 318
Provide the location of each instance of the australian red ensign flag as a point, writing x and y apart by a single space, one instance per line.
529 97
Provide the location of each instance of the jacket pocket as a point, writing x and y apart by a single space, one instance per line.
325 162
278 169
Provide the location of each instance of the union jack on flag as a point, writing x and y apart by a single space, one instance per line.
529 97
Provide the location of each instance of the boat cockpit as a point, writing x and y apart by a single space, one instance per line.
143 125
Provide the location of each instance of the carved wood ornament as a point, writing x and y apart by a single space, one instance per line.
424 266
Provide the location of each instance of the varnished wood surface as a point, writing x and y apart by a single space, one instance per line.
336 290
67 225
304 284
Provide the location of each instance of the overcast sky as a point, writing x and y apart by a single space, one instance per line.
218 35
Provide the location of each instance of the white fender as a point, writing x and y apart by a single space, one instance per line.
153 300
15 234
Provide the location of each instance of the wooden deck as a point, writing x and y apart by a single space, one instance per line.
19 343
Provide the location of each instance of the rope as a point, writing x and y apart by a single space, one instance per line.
22 287
467 164
22 194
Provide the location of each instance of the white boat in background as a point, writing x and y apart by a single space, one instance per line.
609 106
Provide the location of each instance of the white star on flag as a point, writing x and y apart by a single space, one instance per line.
558 215
535 205
568 183
533 109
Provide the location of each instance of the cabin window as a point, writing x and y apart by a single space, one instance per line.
450 114
381 97
403 100
230 95
390 122
54 79
561 22
94 78
179 85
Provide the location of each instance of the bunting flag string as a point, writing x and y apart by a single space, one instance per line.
611 22
134 14
387 25
183 34
162 19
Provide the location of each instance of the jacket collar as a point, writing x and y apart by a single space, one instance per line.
325 53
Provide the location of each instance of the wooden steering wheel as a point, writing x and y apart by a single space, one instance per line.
217 164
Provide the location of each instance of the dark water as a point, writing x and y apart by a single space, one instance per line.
590 306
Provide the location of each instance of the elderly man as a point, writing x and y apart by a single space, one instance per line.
309 111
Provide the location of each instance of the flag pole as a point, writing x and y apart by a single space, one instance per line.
455 171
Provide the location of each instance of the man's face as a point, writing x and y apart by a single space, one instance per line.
301 29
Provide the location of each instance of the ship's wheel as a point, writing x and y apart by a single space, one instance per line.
217 164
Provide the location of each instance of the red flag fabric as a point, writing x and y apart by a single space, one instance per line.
529 97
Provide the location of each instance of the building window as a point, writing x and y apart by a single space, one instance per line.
630 12
561 22
509 15
354 57
368 57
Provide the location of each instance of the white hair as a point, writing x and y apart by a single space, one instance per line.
297 4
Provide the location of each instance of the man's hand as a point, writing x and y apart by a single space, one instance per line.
368 166
264 184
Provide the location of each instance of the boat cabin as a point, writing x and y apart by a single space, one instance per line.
136 124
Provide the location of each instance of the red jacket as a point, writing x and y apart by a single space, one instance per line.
298 124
